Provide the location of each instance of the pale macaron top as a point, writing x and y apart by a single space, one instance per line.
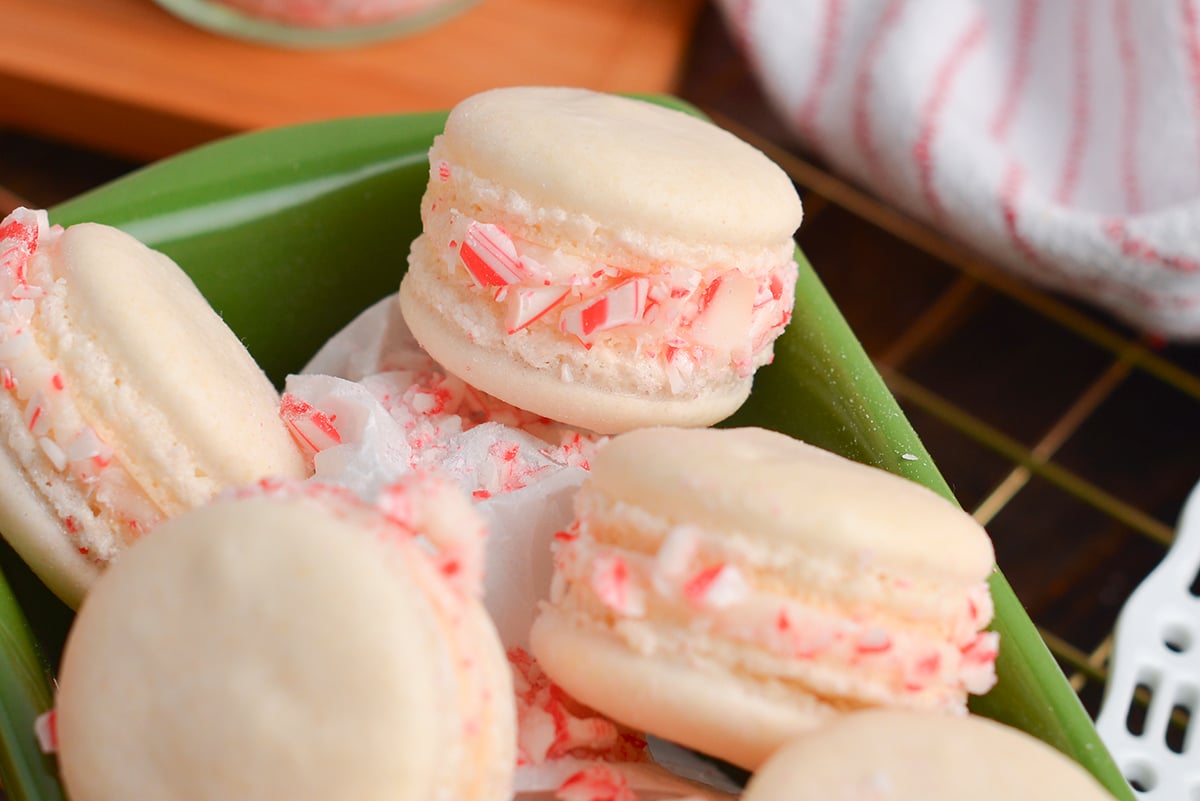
126 399
913 756
293 644
628 164
770 487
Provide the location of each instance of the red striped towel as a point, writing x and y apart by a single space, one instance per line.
1059 137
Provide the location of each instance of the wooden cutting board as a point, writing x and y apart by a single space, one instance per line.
128 78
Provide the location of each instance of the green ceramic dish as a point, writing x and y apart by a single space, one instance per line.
292 232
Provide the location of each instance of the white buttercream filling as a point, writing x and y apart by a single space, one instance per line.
684 594
78 474
692 319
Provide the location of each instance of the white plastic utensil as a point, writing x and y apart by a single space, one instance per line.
1153 691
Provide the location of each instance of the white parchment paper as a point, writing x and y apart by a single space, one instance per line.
396 411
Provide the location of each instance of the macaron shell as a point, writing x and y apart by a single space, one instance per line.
158 372
737 718
255 651
629 164
35 532
495 759
795 496
907 756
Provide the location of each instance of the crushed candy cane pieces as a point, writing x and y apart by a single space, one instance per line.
595 783
622 305
527 305
614 587
45 728
312 429
490 256
43 398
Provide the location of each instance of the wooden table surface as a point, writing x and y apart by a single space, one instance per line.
127 78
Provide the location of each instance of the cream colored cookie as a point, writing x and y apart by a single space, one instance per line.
603 261
125 398
730 588
893 755
291 644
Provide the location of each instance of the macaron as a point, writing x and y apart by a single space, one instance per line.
728 589
291 642
600 260
124 398
903 755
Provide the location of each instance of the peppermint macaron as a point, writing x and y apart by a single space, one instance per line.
728 589
124 398
290 642
902 755
600 260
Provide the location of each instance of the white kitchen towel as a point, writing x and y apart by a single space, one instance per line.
1059 137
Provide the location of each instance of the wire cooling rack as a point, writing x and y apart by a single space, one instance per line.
1073 439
